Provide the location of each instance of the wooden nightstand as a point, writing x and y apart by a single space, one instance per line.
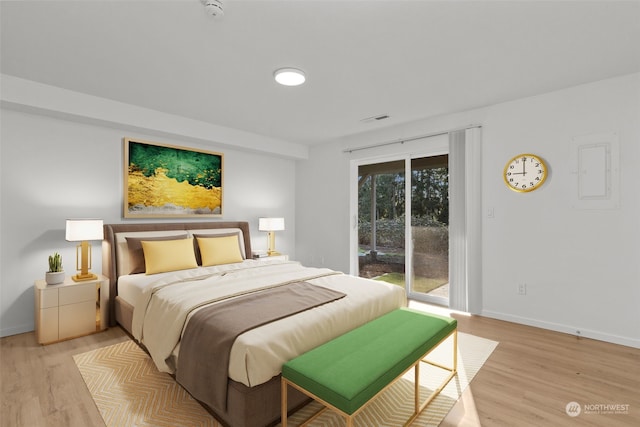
70 309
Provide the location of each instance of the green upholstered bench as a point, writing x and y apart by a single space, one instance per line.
347 372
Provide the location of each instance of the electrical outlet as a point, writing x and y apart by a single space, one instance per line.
522 288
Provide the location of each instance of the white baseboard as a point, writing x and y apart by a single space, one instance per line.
567 329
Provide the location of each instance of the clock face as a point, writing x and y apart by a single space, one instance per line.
525 172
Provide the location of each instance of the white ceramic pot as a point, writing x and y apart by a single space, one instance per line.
54 278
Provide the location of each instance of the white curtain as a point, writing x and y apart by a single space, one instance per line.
465 220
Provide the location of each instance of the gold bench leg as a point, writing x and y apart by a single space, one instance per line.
455 351
283 401
452 373
416 391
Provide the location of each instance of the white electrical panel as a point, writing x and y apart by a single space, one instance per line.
595 169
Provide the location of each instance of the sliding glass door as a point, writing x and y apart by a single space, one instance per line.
430 229
403 225
381 221
416 209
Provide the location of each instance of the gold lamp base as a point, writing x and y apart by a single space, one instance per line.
82 277
271 239
83 263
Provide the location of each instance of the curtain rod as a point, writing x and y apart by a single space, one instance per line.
413 138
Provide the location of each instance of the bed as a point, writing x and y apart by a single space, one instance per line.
168 279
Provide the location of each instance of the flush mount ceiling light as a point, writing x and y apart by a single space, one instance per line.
289 76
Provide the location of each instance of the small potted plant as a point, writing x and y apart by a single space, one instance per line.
55 274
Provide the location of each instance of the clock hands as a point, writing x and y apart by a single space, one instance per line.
524 171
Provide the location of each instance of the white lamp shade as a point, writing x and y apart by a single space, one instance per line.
78 230
270 224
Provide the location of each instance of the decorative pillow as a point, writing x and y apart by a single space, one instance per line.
136 254
216 235
168 255
219 250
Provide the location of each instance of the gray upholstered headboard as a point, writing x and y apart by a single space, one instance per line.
110 266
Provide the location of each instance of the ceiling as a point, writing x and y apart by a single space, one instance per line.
406 59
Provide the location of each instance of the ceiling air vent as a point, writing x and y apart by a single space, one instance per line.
375 118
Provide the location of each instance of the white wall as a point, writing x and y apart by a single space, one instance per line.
53 169
581 267
582 272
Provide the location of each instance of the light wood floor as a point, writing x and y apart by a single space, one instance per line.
528 380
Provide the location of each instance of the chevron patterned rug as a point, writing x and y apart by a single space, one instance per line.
129 391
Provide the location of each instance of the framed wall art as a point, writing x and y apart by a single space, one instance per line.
163 181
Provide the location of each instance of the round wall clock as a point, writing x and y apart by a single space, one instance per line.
525 172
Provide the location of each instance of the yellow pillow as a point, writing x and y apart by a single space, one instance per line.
219 250
168 255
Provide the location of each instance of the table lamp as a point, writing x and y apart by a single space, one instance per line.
271 225
83 230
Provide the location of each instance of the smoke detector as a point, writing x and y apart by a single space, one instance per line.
214 7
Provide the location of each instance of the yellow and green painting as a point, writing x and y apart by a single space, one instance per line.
164 180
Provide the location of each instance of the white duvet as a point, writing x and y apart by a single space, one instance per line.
163 308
